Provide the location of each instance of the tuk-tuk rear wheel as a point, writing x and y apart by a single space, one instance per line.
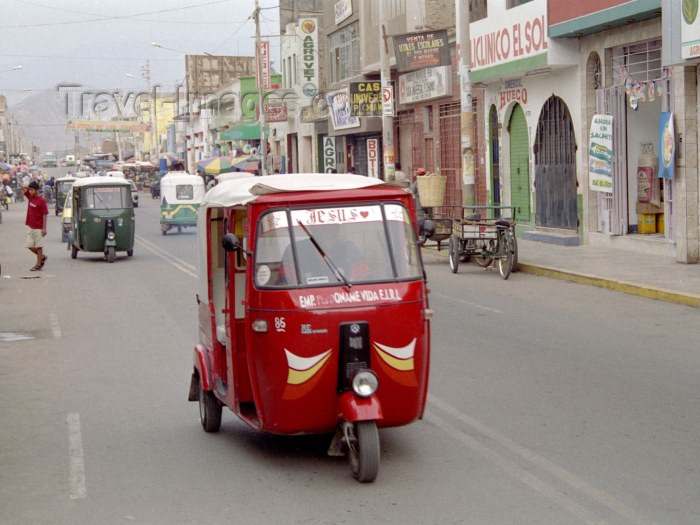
363 451
73 251
209 410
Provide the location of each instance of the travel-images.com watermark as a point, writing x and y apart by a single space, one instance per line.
82 103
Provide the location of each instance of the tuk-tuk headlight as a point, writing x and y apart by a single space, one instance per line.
111 236
365 383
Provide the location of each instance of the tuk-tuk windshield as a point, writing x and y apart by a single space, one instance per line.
64 185
107 197
365 243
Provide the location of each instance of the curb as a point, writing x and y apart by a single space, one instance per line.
619 286
639 290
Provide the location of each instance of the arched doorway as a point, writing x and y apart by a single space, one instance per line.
495 157
555 167
519 164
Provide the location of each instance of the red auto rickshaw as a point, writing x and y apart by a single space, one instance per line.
313 309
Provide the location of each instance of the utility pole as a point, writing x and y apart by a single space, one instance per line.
146 70
387 120
467 116
261 88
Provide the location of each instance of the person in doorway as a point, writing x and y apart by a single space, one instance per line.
37 213
399 174
352 169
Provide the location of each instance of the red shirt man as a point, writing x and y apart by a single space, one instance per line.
37 213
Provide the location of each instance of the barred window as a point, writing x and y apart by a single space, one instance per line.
642 60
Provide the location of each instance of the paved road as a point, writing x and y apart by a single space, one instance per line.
542 408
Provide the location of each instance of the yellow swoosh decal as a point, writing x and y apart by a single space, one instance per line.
399 364
297 377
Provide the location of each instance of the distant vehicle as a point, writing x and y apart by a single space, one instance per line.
49 160
134 194
70 160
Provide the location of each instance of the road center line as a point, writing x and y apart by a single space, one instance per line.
447 297
55 326
154 246
553 469
167 257
76 457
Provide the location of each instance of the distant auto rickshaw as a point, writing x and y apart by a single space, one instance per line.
61 187
103 217
313 310
67 217
180 195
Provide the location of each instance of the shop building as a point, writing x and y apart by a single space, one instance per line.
530 117
642 194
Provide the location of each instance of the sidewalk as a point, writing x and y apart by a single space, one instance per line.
646 275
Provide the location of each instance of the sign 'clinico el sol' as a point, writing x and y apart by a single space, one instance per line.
519 40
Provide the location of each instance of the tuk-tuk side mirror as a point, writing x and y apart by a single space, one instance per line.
231 243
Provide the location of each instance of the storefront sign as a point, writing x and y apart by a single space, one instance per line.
312 113
513 90
513 40
340 108
275 111
667 146
600 154
690 29
419 50
343 10
262 74
425 84
365 98
328 154
373 158
309 71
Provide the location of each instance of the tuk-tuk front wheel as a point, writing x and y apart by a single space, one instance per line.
363 450
111 254
209 410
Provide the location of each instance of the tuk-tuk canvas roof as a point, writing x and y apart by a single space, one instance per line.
247 189
181 177
100 181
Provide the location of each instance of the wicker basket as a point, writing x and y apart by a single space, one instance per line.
431 190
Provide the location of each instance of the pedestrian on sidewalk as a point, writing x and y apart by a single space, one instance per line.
37 214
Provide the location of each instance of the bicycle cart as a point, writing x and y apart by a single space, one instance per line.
487 240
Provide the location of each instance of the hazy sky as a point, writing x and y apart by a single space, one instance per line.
97 42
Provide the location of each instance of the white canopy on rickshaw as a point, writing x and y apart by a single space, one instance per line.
172 179
245 189
100 181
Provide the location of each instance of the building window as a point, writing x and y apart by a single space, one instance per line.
345 52
515 3
477 10
642 61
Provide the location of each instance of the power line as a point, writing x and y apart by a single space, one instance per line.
101 18
141 59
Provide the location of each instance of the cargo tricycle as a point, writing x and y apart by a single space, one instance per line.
303 281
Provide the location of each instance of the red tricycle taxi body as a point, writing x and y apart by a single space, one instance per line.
313 309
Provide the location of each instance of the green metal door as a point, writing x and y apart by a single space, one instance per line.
519 165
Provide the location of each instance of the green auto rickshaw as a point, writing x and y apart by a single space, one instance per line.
61 188
103 217
180 195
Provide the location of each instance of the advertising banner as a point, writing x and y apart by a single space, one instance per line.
419 50
425 84
343 10
373 158
340 108
111 126
263 72
328 154
309 71
365 99
600 153
690 29
667 146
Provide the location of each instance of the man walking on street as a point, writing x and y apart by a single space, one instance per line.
37 214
